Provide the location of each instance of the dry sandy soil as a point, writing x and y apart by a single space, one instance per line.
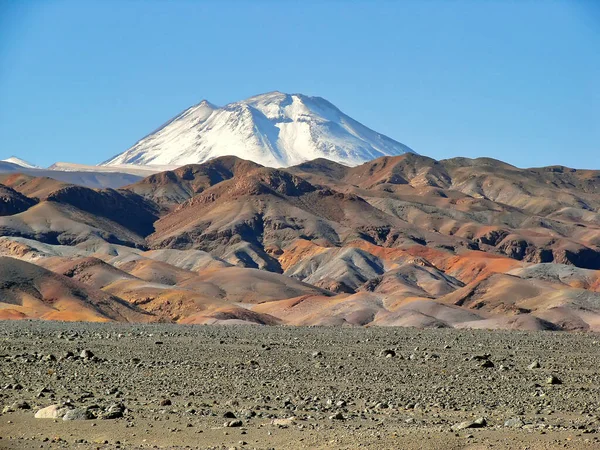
296 387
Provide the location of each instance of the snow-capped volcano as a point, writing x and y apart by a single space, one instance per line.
274 129
20 162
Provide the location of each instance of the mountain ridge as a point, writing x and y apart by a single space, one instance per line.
397 241
20 162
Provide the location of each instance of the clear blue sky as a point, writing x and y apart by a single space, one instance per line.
519 81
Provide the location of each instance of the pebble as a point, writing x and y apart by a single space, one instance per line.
233 424
534 365
515 422
477 423
387 353
86 354
553 379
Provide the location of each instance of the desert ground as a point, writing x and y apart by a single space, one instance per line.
253 387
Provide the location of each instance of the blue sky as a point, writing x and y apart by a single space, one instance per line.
519 81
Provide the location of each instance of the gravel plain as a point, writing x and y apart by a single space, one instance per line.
252 387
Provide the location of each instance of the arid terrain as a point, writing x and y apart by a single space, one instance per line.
247 387
329 258
397 241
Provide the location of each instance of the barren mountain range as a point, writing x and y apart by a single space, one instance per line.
399 240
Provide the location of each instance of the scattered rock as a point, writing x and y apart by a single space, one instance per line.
18 405
515 422
387 353
233 424
553 379
114 411
284 423
86 354
534 365
52 412
79 414
477 423
347 394
248 413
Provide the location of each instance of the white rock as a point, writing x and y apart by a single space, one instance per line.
284 423
52 412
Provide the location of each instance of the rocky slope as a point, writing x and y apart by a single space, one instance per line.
30 291
403 240
13 202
